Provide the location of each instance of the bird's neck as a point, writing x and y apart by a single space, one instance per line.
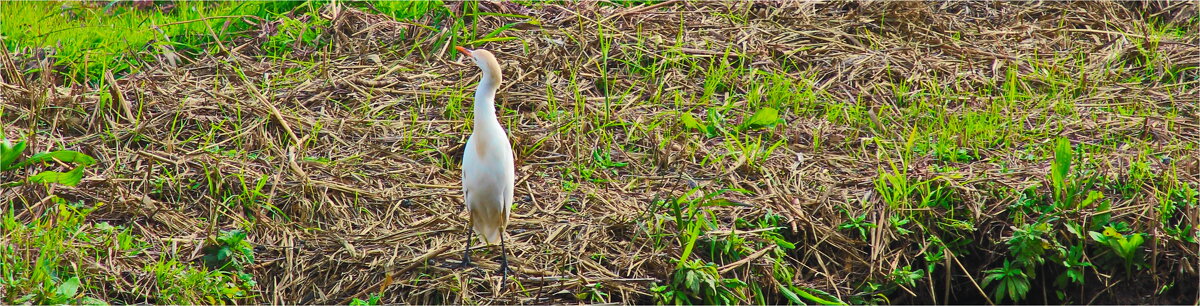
485 100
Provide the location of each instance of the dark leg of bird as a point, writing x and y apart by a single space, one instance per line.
466 261
503 260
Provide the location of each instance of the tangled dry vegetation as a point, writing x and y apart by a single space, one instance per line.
340 159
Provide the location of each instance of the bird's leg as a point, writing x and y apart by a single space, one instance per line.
466 261
503 260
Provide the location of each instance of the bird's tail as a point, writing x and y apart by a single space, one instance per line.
490 235
489 228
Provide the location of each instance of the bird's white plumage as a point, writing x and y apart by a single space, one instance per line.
487 168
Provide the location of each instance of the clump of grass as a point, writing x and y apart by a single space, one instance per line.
37 255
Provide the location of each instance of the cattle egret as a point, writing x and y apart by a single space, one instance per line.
487 164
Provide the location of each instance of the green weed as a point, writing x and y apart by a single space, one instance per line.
230 251
1124 246
179 283
35 261
9 153
372 299
1011 282
697 282
857 223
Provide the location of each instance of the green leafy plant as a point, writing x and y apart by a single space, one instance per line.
1027 245
795 293
935 253
180 283
1069 190
763 118
1073 262
1011 282
898 223
594 293
372 299
230 250
9 153
858 224
604 159
713 126
35 258
1059 169
710 129
870 293
1124 246
1170 206
771 220
906 276
698 282
306 30
697 218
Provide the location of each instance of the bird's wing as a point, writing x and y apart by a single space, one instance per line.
510 177
469 165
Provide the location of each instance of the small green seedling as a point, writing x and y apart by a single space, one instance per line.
372 299
711 129
230 250
1125 246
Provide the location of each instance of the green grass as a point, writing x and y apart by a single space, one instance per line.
90 38
36 254
53 259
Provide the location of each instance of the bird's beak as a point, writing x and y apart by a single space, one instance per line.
462 50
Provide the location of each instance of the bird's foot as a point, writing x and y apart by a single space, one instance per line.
464 264
504 270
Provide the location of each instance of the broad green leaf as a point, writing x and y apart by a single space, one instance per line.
66 156
9 153
223 253
690 122
827 299
714 129
1131 246
248 253
693 284
1092 197
70 178
784 244
232 237
1112 232
1104 216
69 288
765 117
1061 165
791 296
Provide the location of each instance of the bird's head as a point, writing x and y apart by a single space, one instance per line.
485 60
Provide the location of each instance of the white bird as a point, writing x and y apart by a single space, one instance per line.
487 164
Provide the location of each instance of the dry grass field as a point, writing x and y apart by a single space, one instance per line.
675 152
